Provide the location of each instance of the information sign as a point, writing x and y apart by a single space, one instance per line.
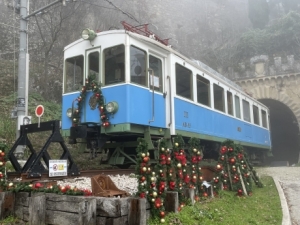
58 168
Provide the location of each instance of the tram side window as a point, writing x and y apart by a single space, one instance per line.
114 65
138 61
219 98
264 118
237 106
229 103
155 66
184 82
203 91
255 115
246 110
93 62
73 74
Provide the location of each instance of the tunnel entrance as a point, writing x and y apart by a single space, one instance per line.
284 132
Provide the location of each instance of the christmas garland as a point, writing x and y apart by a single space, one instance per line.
91 84
3 159
56 189
182 173
195 159
234 171
37 187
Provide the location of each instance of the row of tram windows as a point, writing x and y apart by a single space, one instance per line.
145 70
184 88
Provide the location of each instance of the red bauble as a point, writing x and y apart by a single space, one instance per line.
205 194
240 192
38 185
162 214
223 150
142 195
63 189
157 203
230 149
146 159
143 179
219 167
232 160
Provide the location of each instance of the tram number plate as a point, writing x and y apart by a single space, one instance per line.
185 124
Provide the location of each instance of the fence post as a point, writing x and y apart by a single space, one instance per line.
37 209
137 211
7 204
171 202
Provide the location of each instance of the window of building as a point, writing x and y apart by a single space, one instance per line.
237 106
138 66
93 64
73 74
264 118
155 71
184 82
219 98
229 103
114 65
255 115
203 90
246 111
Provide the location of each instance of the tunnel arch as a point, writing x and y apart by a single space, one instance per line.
275 92
284 132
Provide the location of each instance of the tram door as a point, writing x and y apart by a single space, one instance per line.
156 86
92 67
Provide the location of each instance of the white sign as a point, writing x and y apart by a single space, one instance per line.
155 80
58 168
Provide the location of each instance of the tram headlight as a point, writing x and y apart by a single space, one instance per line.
88 34
112 107
69 112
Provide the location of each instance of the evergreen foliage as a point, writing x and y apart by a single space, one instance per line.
258 13
278 39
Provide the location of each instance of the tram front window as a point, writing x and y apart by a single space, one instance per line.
73 74
114 65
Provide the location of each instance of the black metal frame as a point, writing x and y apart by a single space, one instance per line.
33 167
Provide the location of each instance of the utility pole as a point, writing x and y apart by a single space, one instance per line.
23 70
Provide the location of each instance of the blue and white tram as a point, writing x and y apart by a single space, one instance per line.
152 91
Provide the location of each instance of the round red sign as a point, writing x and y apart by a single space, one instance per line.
39 110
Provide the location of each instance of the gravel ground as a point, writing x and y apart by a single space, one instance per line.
289 179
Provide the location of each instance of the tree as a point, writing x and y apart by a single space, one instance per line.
290 5
258 13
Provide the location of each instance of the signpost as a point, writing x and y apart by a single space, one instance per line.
39 111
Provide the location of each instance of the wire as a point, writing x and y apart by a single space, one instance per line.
115 8
127 14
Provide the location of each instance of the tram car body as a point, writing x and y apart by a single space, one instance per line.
157 92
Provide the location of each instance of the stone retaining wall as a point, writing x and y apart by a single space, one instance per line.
49 208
